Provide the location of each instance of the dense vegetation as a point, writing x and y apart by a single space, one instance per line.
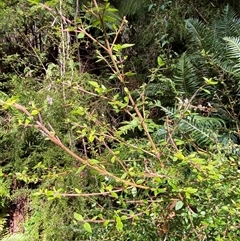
119 120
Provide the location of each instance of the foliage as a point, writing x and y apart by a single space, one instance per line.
92 161
216 59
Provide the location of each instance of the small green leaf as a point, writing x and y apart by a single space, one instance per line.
210 81
118 47
179 155
78 191
94 84
178 205
34 1
112 10
130 73
80 169
127 46
93 161
113 194
81 35
106 223
78 216
140 181
113 159
79 111
124 175
34 112
126 98
27 121
91 137
119 224
160 62
87 227
134 191
205 90
124 217
191 190
1 173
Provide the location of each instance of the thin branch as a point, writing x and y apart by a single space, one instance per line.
90 194
55 139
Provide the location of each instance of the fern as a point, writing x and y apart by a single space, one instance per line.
201 130
14 237
233 52
213 52
200 34
131 7
129 126
3 232
210 39
228 24
185 77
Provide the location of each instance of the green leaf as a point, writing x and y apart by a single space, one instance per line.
127 46
77 191
130 73
119 224
140 181
113 194
1 173
80 169
178 205
124 175
94 84
34 1
205 90
81 35
91 137
106 223
179 155
160 62
124 217
113 159
87 227
210 81
118 47
78 216
191 190
34 112
93 161
134 191
112 10
79 111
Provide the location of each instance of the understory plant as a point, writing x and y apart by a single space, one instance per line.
87 160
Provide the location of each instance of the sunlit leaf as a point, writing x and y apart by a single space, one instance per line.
78 216
87 227
119 224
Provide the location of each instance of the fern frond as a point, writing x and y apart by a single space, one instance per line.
129 126
185 78
200 37
171 112
131 7
202 130
3 232
14 237
228 24
233 52
233 44
204 37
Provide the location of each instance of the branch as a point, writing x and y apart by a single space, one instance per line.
55 139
